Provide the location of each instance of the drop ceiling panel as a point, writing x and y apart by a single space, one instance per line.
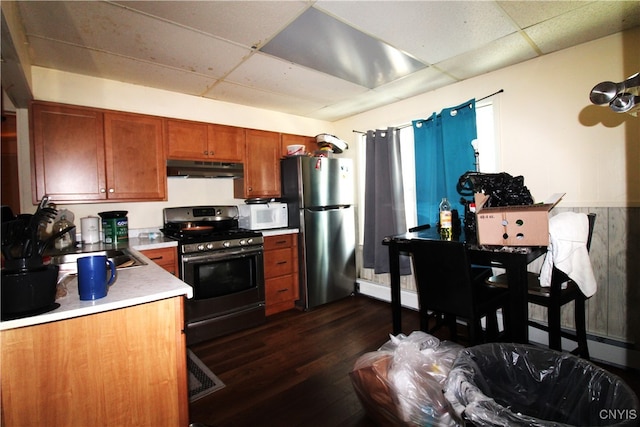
118 68
526 14
278 76
109 28
592 21
501 53
248 23
323 43
235 93
429 30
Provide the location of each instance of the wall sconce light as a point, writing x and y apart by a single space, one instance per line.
622 97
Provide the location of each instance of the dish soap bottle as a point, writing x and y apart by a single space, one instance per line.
67 239
446 225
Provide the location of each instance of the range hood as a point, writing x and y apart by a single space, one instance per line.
204 169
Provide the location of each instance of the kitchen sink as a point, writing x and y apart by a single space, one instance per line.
122 258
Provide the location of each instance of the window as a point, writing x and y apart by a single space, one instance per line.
486 146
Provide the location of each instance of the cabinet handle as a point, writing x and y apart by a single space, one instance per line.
281 262
156 258
281 242
102 190
206 153
249 188
111 190
211 153
283 290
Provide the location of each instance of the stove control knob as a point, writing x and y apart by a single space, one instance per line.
249 241
226 243
243 242
201 247
209 246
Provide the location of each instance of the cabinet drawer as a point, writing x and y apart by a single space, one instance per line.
279 289
278 262
277 242
166 258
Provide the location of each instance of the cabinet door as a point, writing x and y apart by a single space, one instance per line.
226 143
186 140
287 139
135 159
261 167
68 153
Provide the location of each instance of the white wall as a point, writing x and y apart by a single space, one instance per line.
68 88
549 132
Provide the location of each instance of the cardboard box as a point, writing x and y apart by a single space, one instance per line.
526 225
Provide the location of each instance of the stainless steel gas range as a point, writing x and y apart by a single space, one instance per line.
224 265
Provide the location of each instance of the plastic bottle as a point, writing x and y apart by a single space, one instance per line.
446 225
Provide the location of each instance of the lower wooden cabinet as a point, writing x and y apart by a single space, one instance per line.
124 367
281 272
166 258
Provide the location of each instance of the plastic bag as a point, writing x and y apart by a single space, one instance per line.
523 385
401 383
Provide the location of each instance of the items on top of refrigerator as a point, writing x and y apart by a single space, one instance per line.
328 142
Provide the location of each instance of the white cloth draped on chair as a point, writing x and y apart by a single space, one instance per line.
567 251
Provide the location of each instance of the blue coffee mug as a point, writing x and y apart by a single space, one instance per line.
93 280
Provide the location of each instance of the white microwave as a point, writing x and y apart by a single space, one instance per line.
263 216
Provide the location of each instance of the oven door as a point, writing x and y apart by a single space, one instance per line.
223 282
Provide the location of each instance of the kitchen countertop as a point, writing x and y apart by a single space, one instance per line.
133 286
279 231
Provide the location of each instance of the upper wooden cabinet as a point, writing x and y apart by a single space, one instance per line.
136 167
203 141
67 153
261 166
287 139
83 155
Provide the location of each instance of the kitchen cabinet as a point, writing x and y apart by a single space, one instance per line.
136 166
202 141
281 272
166 258
89 155
261 166
287 139
113 368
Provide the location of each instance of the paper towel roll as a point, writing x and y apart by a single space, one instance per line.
90 228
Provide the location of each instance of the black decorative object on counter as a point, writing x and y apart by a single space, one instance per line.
502 188
28 285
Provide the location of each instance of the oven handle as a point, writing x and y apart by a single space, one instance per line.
223 254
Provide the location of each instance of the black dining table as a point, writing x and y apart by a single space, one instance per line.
514 259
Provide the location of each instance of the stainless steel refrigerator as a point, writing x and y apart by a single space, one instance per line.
319 193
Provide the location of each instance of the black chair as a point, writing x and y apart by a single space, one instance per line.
450 288
553 298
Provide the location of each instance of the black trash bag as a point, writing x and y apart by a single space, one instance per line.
502 188
518 385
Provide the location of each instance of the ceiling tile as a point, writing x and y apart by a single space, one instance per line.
244 95
249 23
279 76
105 27
429 30
419 82
118 68
527 13
590 22
501 53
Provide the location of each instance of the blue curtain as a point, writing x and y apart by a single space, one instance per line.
443 152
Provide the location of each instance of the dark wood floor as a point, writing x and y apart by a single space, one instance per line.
294 370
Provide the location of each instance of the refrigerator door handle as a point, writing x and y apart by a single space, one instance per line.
328 208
